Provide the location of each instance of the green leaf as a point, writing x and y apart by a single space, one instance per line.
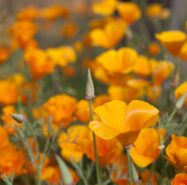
65 173
135 176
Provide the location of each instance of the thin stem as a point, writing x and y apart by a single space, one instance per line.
129 166
172 115
95 147
80 173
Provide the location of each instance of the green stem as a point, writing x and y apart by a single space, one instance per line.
172 115
95 147
80 173
129 166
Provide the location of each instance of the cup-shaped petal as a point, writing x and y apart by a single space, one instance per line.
140 115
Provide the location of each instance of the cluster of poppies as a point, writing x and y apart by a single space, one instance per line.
93 93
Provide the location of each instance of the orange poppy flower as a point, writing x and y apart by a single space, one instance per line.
20 27
120 61
146 148
50 171
116 118
104 7
69 30
61 55
39 63
28 13
142 66
125 93
8 92
51 174
156 10
3 137
69 71
180 179
149 176
129 11
53 12
172 40
154 48
60 108
4 54
107 76
153 92
183 52
83 111
9 123
109 151
75 142
161 70
176 152
12 160
110 35
100 100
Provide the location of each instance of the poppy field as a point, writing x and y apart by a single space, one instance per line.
93 93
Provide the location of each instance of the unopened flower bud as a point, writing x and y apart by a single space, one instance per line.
18 117
90 92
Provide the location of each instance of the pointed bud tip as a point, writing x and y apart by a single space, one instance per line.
18 117
90 92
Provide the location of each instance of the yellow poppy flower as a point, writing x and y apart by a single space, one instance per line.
129 11
146 148
116 118
120 61
176 152
172 40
